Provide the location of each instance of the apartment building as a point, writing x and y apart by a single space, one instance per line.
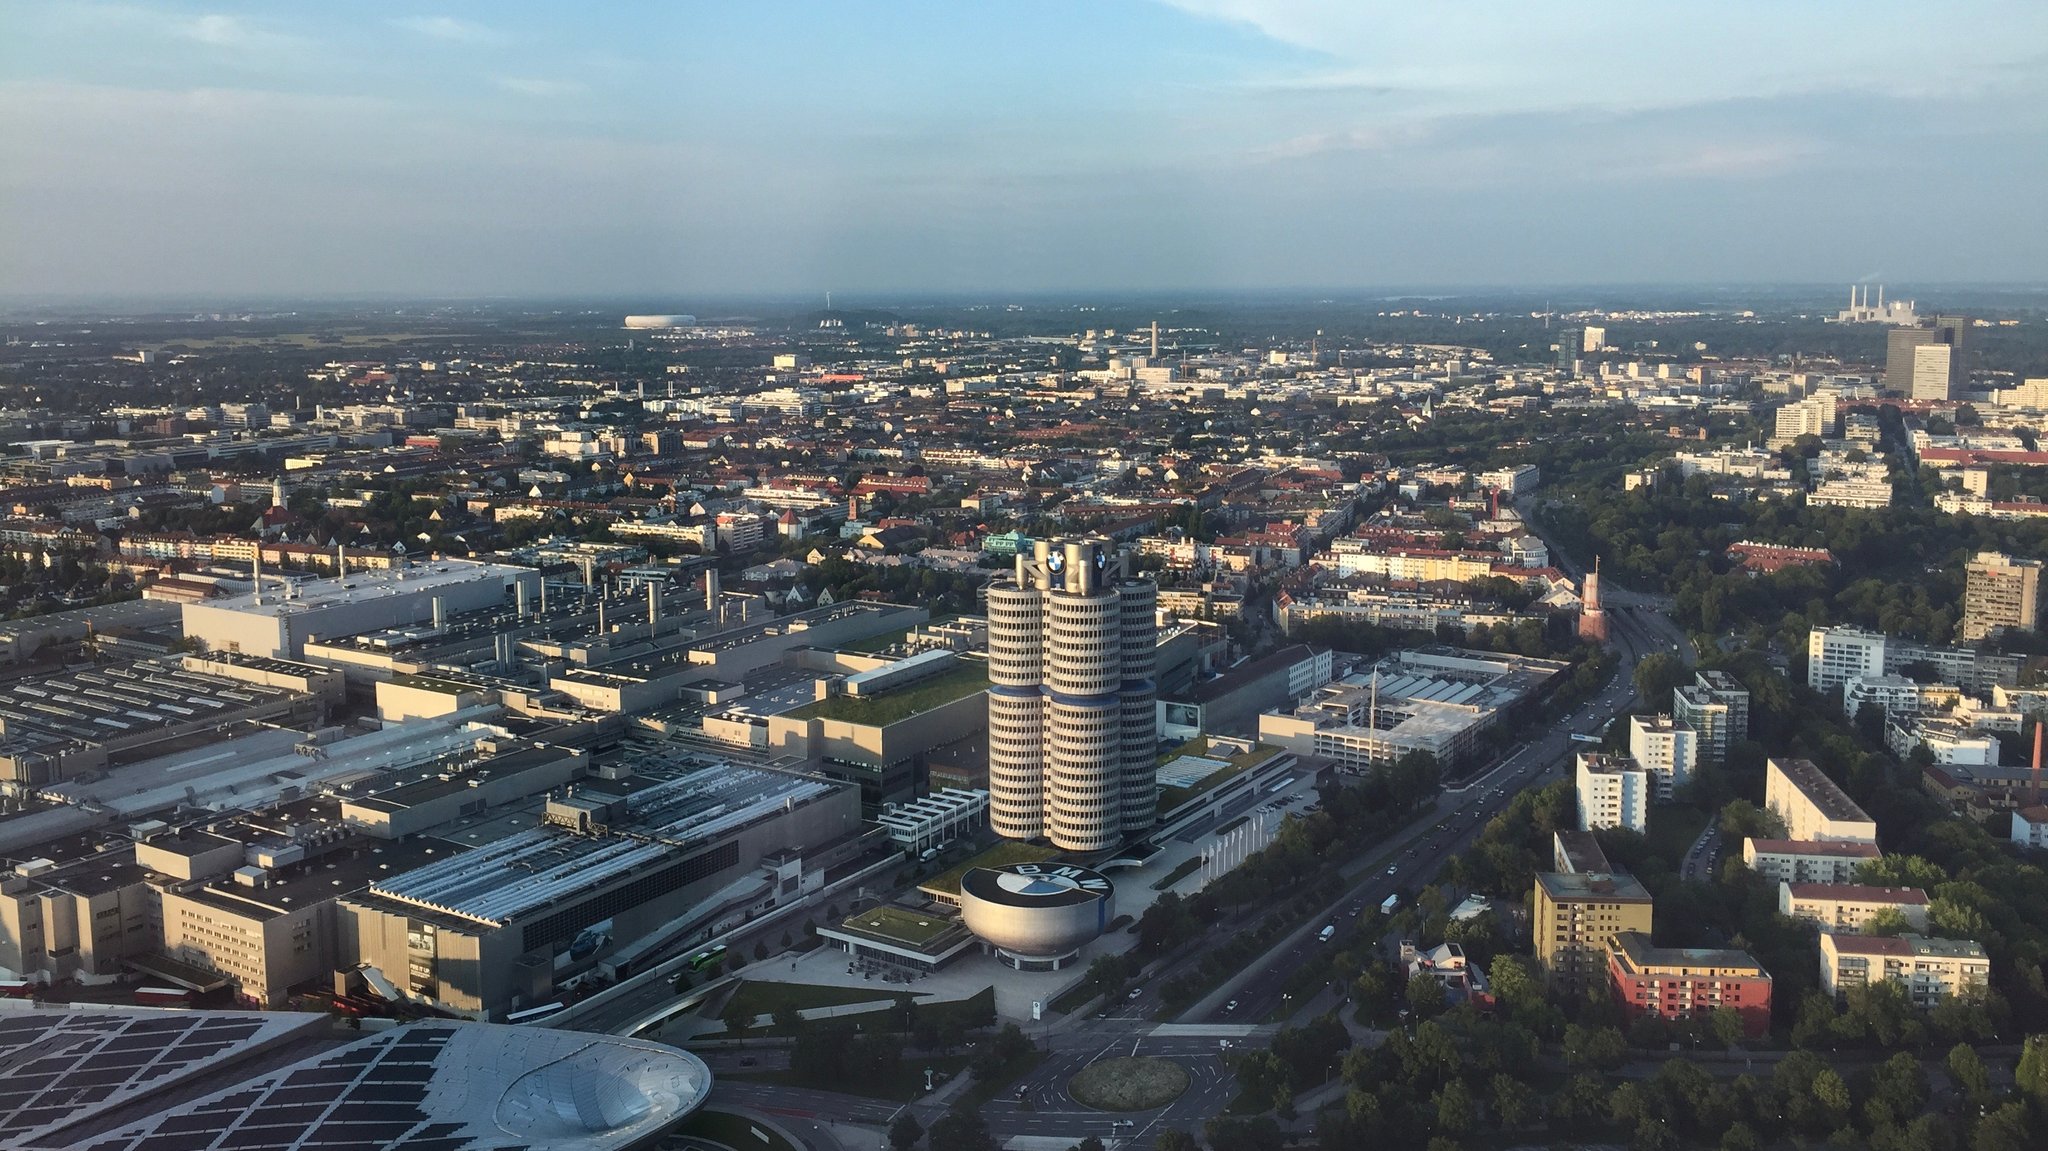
1576 917
1613 792
1677 982
1716 707
1999 593
1851 907
1812 805
1929 970
1665 748
1807 860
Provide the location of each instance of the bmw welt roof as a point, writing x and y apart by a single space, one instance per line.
431 1086
532 869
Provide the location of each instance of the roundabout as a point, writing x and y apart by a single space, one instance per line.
1141 1083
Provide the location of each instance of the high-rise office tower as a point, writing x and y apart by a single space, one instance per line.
1072 732
1911 371
1934 372
1999 592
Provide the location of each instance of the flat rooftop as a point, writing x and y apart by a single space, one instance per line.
342 872
358 587
1816 847
1641 953
1592 887
1823 793
900 704
118 701
498 882
913 929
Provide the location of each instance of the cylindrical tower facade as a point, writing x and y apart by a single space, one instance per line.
1072 715
1016 712
1139 776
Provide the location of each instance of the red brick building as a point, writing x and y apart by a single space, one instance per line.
1676 982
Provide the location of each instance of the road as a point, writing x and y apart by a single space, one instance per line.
1637 628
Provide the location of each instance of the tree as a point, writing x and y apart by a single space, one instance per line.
1591 1048
1175 1139
905 1131
789 1019
961 1130
1514 1102
1259 1133
1455 1108
1898 1090
1832 1094
2031 1075
1725 1025
1966 1067
1657 676
2005 1129
1513 982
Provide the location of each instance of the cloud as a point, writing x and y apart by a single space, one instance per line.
541 88
231 32
449 29
1628 55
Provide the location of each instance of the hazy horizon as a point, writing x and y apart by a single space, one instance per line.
521 152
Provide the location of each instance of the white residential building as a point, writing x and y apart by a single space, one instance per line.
1851 907
1930 970
1812 805
1807 860
1665 748
1613 792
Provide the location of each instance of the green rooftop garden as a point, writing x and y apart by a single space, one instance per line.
1172 797
889 707
1001 855
911 928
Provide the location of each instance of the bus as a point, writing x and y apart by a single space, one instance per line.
534 1014
704 959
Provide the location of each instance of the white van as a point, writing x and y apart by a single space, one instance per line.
1328 933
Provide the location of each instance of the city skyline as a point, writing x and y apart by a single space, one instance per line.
516 151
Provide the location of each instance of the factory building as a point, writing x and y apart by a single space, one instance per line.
485 932
278 622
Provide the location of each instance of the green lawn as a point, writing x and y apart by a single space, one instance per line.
1002 854
763 998
892 706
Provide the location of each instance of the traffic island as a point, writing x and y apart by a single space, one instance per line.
1129 1084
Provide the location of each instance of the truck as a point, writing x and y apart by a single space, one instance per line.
1388 904
1328 933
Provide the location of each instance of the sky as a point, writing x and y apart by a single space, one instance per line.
676 152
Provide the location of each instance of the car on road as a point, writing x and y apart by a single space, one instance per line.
1230 1006
1392 868
1135 992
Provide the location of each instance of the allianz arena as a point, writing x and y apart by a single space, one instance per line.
1036 915
660 321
